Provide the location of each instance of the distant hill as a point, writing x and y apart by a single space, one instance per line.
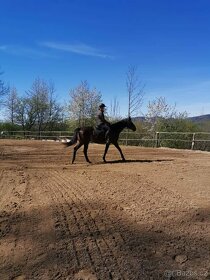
201 118
202 122
197 119
142 119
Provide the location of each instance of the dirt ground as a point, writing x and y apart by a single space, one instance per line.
147 218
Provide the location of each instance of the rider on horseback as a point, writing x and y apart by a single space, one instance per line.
102 124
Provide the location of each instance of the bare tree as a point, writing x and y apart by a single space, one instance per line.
55 110
21 113
38 99
94 101
11 104
3 90
84 103
114 109
159 109
43 104
135 90
79 98
25 113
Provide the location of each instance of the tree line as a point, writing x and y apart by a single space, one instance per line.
39 109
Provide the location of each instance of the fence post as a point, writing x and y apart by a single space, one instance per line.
157 137
126 139
193 141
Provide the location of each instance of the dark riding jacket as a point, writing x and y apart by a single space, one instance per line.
101 119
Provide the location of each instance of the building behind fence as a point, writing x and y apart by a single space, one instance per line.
179 140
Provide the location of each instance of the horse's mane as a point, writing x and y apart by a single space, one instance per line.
123 121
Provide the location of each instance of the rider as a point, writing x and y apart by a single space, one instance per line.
102 123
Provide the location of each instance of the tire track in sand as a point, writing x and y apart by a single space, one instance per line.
13 186
104 239
89 245
114 241
67 230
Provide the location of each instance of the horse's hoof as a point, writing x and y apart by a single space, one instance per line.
124 160
104 160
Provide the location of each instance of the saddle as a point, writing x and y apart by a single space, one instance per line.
100 135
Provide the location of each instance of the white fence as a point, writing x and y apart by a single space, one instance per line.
189 140
186 140
36 135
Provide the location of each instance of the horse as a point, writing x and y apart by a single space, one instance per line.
85 135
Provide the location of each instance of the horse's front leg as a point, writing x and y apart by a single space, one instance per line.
85 152
106 150
119 149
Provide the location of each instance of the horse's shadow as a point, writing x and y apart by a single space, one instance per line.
136 161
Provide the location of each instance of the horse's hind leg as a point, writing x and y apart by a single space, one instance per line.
119 149
75 151
106 150
85 152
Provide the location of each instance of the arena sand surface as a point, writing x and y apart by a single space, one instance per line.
147 218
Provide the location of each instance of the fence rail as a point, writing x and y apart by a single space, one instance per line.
187 140
184 140
41 135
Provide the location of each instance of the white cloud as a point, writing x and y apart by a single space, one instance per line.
23 51
82 49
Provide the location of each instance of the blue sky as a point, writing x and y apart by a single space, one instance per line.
67 41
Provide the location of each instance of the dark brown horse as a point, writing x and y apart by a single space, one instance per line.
85 135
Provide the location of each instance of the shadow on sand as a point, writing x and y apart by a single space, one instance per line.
107 242
136 161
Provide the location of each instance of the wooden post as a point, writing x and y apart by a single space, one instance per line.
126 139
157 137
193 141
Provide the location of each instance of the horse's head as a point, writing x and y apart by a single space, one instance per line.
130 124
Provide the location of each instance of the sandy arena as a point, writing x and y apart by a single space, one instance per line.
147 218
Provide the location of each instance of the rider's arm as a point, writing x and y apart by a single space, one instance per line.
102 118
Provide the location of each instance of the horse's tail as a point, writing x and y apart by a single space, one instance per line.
74 138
